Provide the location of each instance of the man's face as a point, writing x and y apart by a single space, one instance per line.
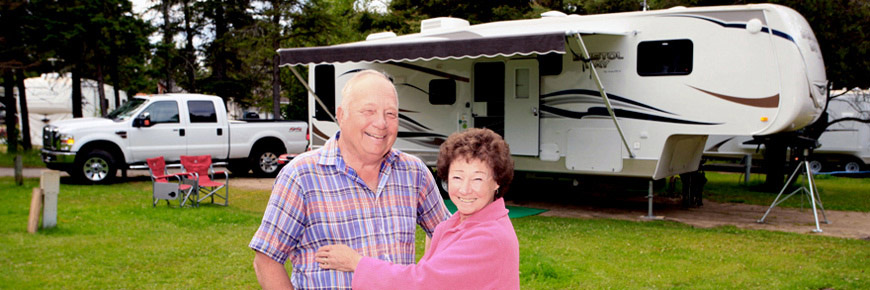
369 122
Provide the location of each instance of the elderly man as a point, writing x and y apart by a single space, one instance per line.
355 190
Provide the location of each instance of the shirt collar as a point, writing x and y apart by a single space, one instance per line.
490 212
332 154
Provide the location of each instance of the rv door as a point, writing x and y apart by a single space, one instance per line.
521 126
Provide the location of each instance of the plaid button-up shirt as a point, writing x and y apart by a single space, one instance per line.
319 200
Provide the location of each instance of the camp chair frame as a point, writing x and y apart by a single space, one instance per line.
202 170
163 188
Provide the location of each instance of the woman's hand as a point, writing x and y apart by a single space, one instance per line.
337 257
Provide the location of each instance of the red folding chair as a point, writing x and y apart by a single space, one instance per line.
201 167
163 188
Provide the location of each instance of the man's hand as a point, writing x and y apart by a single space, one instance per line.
337 257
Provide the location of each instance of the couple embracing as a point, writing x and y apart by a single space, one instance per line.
346 214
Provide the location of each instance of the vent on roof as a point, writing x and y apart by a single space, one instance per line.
553 13
381 35
442 23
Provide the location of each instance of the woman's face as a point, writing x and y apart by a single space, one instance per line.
471 185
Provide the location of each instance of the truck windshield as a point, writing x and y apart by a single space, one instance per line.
126 110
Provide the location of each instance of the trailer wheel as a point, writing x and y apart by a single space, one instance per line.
264 161
816 166
852 166
96 167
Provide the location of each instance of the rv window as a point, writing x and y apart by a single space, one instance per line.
521 86
201 112
550 64
442 92
163 112
664 57
324 87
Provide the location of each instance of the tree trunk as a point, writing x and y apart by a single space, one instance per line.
9 101
25 117
220 56
101 90
190 66
116 82
167 43
77 91
276 76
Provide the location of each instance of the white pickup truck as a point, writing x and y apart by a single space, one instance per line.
171 125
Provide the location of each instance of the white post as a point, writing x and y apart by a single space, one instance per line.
49 182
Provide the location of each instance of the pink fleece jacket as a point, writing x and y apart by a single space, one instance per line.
480 253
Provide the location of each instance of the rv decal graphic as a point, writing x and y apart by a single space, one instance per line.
764 29
768 102
620 113
715 147
408 122
602 59
414 87
318 133
351 72
430 140
597 95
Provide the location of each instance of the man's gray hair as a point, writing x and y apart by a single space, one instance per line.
348 87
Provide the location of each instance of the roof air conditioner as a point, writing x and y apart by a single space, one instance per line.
440 23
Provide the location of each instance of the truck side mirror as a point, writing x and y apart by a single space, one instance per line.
143 120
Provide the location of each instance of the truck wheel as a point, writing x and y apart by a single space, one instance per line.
816 166
852 166
97 167
264 161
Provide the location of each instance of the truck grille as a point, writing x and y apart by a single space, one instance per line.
49 138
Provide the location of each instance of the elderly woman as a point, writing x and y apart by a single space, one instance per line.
476 248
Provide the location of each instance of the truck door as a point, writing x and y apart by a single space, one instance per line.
521 95
207 133
165 137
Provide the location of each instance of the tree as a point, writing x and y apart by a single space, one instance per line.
222 54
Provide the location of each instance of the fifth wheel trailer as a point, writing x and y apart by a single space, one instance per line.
626 94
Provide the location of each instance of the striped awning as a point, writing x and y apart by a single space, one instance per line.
458 45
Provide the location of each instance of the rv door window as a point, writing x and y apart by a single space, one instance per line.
664 57
521 86
324 87
442 92
488 86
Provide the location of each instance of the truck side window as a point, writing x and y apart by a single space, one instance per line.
163 112
664 57
202 112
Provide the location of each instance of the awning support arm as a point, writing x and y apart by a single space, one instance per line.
310 91
585 52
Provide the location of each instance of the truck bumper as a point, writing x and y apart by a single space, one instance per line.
58 160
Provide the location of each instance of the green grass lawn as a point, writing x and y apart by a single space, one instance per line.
837 193
30 158
111 237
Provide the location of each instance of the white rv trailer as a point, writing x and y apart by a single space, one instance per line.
625 94
844 146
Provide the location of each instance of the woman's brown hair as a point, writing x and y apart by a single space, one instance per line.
480 144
